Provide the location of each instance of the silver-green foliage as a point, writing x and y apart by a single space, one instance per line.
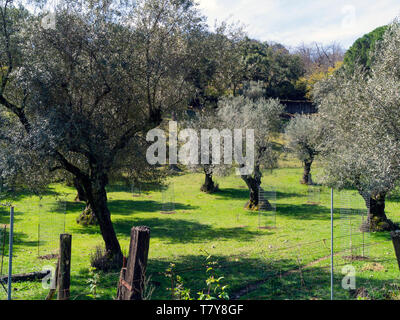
303 134
257 113
361 114
79 97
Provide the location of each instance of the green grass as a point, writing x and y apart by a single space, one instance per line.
215 224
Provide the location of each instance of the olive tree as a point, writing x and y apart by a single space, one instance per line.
360 110
83 94
303 135
209 128
252 111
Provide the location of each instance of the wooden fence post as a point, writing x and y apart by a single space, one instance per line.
131 282
396 244
64 268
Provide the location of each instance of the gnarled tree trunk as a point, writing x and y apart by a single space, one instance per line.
209 185
80 196
253 182
87 217
95 190
307 172
377 219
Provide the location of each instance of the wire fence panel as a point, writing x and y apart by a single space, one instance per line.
314 195
168 200
51 216
267 208
353 219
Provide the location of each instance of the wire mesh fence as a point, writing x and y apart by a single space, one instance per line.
353 226
168 200
267 208
314 195
51 223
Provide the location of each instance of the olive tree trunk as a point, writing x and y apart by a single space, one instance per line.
95 190
80 195
307 172
87 216
253 182
377 219
209 185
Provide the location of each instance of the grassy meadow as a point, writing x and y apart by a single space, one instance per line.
285 260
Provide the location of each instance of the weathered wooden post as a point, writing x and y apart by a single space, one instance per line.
131 282
396 244
64 268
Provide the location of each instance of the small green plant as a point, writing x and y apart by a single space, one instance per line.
147 287
93 281
215 290
179 292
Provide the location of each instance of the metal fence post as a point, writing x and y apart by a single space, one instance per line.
331 243
10 253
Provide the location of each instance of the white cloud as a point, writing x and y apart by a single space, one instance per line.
293 22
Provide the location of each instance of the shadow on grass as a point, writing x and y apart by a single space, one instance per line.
4 215
20 242
304 211
380 236
314 211
247 278
127 207
243 194
75 207
178 230
21 194
142 186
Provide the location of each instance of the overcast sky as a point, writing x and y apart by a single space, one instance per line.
292 22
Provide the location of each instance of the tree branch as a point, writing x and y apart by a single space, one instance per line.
69 166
